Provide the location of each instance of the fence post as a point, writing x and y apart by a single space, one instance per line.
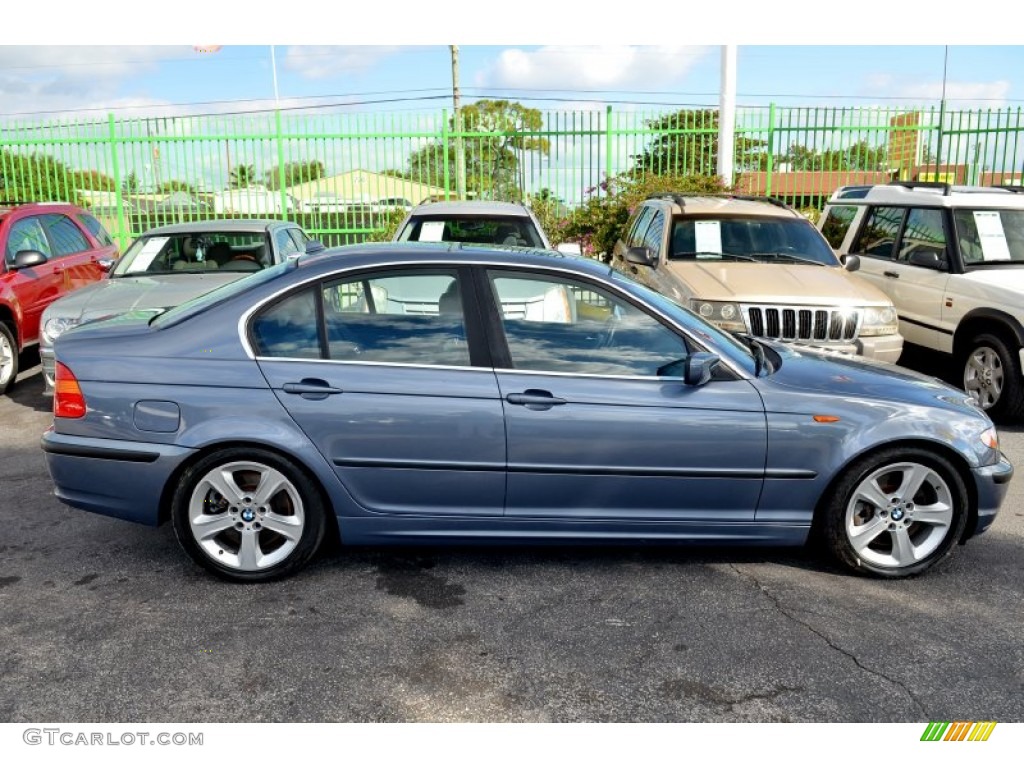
444 153
280 163
770 167
118 186
607 152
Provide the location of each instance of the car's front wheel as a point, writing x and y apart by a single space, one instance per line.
992 374
8 358
248 514
895 513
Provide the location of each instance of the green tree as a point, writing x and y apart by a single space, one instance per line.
35 178
685 143
176 186
601 221
242 176
93 180
494 160
131 183
295 173
859 156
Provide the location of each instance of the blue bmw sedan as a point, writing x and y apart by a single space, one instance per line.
441 393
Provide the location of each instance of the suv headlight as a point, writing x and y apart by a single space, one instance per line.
55 326
878 321
725 314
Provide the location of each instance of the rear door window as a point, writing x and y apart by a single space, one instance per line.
878 237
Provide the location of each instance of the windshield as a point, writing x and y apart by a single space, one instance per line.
197 252
223 293
481 230
990 237
757 238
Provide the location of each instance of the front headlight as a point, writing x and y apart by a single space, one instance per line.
990 438
878 321
725 314
55 326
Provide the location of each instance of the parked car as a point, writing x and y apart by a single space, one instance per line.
477 222
49 250
170 264
952 261
542 398
754 265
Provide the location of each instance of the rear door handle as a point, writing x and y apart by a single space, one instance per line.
535 399
311 389
893 275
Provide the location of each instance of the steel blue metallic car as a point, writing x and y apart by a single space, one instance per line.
405 394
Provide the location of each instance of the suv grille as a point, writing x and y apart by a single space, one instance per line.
803 323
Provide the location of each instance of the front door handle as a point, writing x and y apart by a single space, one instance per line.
311 389
535 399
893 275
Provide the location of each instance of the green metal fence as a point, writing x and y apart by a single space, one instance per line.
342 174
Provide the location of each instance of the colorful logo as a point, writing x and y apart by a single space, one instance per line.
959 731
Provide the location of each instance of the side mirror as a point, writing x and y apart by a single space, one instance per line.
641 255
106 264
928 258
850 262
26 259
700 366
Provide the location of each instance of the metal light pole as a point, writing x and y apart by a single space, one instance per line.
942 112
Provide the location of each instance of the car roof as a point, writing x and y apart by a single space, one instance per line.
471 208
734 205
8 207
932 194
217 225
391 253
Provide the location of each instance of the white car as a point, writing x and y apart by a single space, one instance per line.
951 259
478 222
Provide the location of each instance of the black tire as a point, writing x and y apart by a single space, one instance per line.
871 540
224 526
991 372
8 358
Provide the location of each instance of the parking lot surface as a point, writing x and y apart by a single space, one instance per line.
102 621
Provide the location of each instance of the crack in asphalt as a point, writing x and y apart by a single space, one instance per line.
807 625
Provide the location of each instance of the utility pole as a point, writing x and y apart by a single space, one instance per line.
460 149
727 116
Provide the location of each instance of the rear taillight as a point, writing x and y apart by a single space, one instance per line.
68 400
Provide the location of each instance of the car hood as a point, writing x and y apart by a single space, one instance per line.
122 294
777 283
842 376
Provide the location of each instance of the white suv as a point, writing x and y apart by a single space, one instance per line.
952 260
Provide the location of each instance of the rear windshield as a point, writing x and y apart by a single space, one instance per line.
223 293
480 230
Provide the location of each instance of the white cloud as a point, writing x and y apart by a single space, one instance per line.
36 79
322 61
960 94
616 67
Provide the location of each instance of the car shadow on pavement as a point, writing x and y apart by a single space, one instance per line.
28 388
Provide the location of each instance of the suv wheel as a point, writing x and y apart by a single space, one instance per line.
992 374
8 358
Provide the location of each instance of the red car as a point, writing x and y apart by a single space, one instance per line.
49 249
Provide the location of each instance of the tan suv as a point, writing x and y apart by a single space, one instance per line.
754 265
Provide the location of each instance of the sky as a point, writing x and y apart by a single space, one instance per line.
547 55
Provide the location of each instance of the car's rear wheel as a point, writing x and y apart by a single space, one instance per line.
895 513
992 374
8 358
248 514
